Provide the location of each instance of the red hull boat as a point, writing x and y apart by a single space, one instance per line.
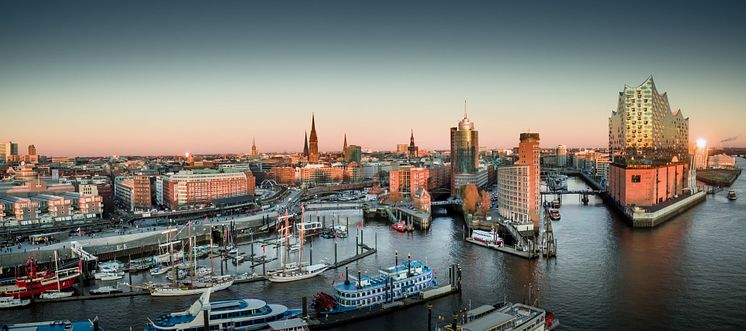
37 282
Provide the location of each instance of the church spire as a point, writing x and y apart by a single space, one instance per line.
344 147
253 146
305 144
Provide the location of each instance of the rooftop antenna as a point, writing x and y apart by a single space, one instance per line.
465 116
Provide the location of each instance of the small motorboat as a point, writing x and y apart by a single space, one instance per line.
401 226
108 275
106 290
8 302
55 294
554 214
732 195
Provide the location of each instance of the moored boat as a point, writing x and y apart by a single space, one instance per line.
233 314
8 302
487 237
400 226
732 195
55 294
554 214
309 228
36 282
65 325
106 290
391 284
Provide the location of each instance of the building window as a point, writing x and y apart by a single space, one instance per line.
635 178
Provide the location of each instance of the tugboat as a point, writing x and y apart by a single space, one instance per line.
554 214
732 195
234 314
392 284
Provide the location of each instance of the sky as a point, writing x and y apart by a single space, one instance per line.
166 77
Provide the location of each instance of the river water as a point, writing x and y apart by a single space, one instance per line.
687 274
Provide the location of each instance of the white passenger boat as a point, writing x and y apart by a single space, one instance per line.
233 314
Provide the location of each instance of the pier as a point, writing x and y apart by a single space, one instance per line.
394 214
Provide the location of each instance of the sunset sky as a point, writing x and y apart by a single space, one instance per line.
146 78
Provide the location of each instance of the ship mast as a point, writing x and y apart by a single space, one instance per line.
57 271
212 262
287 238
301 232
191 253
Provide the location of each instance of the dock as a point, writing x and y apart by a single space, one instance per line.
505 249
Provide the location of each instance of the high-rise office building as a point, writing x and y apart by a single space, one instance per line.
9 152
31 150
561 156
464 154
529 153
313 143
649 148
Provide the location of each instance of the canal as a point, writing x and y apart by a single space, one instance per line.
686 274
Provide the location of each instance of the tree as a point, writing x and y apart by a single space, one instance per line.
485 203
394 196
471 197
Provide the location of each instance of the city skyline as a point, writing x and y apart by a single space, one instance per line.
92 80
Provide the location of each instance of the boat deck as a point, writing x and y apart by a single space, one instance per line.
54 326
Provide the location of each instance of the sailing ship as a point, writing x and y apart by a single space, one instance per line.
392 284
204 281
291 272
36 282
233 314
56 293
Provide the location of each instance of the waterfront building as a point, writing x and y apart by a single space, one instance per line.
88 205
22 209
313 143
644 128
412 150
464 154
353 173
561 155
202 187
53 205
282 175
529 153
649 148
721 161
353 153
316 174
407 180
123 191
142 196
512 192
